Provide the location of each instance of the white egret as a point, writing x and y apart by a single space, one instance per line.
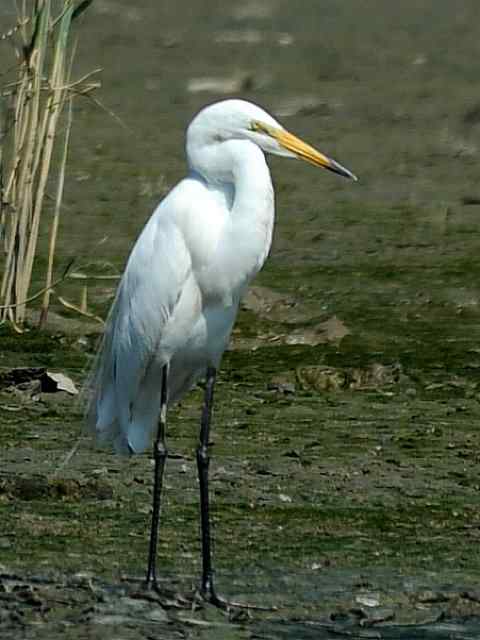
179 295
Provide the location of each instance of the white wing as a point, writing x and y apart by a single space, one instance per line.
139 336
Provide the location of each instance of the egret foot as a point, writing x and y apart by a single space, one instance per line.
166 597
152 585
209 594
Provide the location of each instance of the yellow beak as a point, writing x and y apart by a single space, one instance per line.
301 149
304 151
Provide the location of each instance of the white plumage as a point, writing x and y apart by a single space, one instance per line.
178 298
184 279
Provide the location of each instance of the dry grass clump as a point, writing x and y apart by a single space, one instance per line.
35 128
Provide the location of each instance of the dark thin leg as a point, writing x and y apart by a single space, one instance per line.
159 455
203 460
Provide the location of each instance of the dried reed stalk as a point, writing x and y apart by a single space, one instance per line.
38 96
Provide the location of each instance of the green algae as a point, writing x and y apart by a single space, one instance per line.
361 479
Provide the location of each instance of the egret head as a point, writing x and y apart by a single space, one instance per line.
241 120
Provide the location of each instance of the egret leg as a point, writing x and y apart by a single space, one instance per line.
159 456
203 461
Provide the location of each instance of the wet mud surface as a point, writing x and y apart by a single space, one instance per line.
80 606
345 473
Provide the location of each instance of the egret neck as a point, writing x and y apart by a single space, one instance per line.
248 232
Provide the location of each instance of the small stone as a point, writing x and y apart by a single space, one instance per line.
368 599
58 382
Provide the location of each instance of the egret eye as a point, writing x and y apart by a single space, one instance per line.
258 127
265 129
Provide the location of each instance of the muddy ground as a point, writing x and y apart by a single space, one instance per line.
346 445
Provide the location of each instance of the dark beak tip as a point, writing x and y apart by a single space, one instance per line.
336 167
